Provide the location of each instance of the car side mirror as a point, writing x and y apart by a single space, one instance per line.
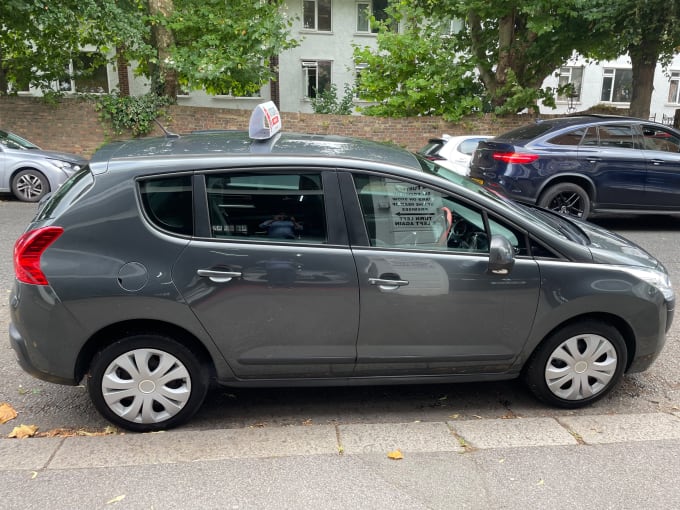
501 256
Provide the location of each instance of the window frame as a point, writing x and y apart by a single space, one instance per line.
69 82
568 73
674 88
315 64
317 15
611 73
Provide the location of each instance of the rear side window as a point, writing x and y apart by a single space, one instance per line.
571 138
267 206
168 203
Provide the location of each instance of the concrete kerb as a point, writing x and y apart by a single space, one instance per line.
185 446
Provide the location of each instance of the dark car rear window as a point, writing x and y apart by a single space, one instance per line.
525 133
432 147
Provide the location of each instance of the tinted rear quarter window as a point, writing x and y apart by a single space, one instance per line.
167 202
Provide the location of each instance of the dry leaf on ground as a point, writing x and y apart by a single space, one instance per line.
23 431
7 413
395 455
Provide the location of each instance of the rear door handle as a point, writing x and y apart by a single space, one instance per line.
656 162
592 160
385 284
219 276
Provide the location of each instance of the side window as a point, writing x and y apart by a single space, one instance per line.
619 136
657 139
399 214
167 202
267 206
571 138
517 238
590 139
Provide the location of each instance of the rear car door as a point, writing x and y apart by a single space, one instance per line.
615 164
428 304
661 148
270 274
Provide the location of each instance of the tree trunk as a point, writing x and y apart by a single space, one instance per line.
644 62
164 41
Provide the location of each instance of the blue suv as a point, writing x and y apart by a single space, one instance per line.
584 165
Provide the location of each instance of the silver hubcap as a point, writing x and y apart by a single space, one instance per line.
581 366
29 186
146 386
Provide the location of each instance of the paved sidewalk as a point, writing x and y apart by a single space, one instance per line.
602 461
178 446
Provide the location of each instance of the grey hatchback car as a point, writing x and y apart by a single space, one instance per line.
167 264
29 172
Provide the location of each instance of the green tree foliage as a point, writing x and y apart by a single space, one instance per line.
328 102
647 30
507 46
224 46
39 37
416 71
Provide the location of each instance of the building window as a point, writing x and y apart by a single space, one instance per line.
674 91
572 76
617 85
316 15
358 69
375 8
85 73
316 77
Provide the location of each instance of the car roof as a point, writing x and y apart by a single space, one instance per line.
238 143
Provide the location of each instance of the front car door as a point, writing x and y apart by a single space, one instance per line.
661 148
428 304
272 279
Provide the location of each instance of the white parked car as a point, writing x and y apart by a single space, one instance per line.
453 152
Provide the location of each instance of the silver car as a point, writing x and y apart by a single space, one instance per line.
167 264
29 172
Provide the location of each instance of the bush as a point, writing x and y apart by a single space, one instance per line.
134 113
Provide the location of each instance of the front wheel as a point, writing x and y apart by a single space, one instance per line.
147 382
577 365
29 185
566 198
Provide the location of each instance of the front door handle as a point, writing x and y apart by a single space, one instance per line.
219 276
656 162
386 284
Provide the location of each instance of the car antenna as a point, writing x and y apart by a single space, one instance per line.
168 134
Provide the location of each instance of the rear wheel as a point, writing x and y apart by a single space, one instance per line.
566 198
29 185
577 365
147 382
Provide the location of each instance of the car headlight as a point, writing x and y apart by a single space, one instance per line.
65 165
657 279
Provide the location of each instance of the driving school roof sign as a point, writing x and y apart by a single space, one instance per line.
265 121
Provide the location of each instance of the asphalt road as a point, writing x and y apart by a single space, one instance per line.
51 406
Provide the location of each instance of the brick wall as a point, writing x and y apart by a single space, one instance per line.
72 125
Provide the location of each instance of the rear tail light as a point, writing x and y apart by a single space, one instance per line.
27 252
514 157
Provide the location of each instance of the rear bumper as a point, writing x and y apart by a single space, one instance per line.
24 359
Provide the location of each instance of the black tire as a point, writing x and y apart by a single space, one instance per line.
138 365
566 198
577 365
29 185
